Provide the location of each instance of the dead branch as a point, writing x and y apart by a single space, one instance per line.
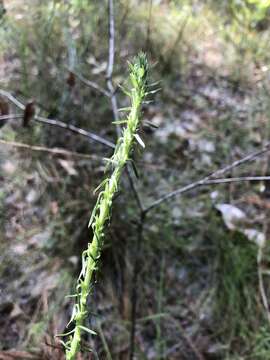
236 179
204 180
53 151
11 116
90 83
58 123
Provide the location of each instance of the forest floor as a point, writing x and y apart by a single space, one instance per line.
198 294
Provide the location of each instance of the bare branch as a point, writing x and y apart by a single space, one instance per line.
239 162
12 99
261 282
90 83
204 180
147 42
111 40
11 116
236 179
135 279
60 124
111 65
75 129
53 151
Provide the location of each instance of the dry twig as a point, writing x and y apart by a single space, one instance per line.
60 124
53 151
90 83
204 180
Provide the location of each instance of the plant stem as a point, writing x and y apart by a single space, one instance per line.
101 212
134 296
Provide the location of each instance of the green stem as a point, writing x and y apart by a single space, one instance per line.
101 213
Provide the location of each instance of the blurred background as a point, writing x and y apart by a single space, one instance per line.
203 282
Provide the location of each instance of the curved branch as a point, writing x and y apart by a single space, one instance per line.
206 179
58 123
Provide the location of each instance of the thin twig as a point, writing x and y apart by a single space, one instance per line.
12 99
134 292
261 283
204 180
111 40
261 252
76 130
53 151
90 83
147 43
11 116
110 66
104 342
236 179
60 124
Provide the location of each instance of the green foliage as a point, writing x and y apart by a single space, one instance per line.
261 350
250 12
237 314
237 276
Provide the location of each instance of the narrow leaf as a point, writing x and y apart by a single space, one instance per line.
119 122
65 334
92 332
138 138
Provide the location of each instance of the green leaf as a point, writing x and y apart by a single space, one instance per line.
92 332
125 91
65 334
127 108
100 185
64 344
71 296
119 122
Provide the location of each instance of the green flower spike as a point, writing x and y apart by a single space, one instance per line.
102 210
